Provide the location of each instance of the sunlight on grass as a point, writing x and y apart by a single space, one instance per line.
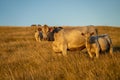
22 58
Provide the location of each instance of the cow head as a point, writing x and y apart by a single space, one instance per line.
45 30
48 32
52 31
87 35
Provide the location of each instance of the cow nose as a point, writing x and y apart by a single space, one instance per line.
45 39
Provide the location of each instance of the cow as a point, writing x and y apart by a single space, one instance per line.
45 30
52 31
70 38
97 44
46 33
38 35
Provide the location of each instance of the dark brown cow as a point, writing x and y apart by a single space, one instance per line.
52 31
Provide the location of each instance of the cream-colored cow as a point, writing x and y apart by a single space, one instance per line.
70 38
45 30
38 35
97 44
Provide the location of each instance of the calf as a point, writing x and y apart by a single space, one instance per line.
97 44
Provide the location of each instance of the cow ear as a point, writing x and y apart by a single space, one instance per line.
82 34
39 29
50 29
92 33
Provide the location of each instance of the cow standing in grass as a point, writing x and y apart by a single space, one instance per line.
70 38
97 44
52 31
45 30
46 33
38 35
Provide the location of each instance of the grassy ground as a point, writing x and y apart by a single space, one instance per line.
22 58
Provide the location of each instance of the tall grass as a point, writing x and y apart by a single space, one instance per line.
22 58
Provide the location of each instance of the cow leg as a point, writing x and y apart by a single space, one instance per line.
111 50
39 39
90 54
56 47
97 52
110 45
36 39
64 49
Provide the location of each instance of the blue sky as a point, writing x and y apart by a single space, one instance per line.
60 12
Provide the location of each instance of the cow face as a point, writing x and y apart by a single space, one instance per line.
45 30
48 32
87 35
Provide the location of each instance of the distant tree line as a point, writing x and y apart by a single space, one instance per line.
35 25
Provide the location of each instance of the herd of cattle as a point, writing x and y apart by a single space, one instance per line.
75 38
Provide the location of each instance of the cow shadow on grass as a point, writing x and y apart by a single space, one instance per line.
116 48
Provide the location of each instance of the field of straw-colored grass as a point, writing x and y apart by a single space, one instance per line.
22 58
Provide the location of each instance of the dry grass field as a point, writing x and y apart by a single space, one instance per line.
22 58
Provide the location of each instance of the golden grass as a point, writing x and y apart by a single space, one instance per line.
22 58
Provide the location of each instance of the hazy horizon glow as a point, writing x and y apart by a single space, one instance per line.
60 12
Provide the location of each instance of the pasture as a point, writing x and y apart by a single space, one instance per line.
22 58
